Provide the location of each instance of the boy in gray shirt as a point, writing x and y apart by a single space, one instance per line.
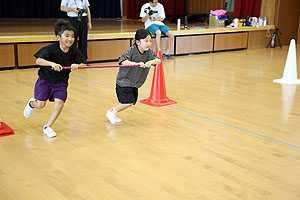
129 79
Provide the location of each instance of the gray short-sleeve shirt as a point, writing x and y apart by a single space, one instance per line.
134 76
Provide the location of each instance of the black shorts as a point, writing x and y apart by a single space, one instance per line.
127 95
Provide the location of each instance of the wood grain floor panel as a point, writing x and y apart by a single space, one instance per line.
234 134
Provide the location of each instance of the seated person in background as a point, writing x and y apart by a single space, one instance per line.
152 14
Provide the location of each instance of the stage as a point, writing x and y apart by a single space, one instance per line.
45 26
109 38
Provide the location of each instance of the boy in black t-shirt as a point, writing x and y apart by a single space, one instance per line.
53 81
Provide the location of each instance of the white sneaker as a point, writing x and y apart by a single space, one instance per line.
111 117
48 131
118 120
28 110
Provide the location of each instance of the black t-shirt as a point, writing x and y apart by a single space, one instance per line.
53 53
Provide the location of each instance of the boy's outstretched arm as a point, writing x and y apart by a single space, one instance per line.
43 62
128 62
153 62
75 66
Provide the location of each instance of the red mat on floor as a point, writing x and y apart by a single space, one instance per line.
5 130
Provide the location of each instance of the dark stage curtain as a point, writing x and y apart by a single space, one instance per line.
244 8
51 8
172 7
105 8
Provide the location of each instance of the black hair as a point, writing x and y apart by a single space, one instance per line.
141 34
61 25
151 1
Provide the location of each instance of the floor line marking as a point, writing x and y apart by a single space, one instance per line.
235 127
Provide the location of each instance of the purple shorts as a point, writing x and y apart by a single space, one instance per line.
45 90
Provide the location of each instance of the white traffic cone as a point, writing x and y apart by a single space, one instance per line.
290 69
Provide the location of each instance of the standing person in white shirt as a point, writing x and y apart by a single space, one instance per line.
153 15
80 18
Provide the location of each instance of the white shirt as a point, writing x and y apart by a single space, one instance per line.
161 13
75 4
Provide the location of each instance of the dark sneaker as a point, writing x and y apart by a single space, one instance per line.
169 57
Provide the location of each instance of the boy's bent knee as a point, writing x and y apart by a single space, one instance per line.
40 104
59 104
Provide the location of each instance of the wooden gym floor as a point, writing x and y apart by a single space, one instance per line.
234 134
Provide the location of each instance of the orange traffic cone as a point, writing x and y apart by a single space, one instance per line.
5 130
158 96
